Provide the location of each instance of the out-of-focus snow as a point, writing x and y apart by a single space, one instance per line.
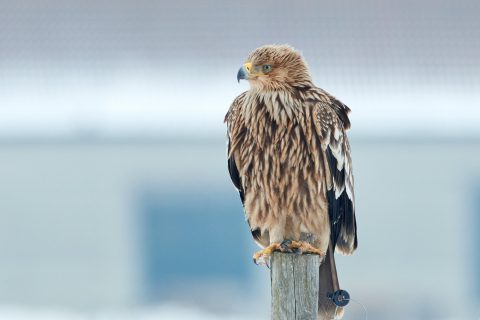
163 312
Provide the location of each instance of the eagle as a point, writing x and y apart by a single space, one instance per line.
289 158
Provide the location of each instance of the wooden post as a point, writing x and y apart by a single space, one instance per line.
294 286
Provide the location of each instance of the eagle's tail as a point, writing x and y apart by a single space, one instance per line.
328 284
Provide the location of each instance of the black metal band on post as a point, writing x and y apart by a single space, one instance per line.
340 297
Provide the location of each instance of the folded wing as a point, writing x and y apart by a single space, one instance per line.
331 121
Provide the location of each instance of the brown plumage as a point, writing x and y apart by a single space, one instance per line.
289 157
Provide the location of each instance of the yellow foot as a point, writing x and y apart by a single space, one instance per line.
262 257
300 247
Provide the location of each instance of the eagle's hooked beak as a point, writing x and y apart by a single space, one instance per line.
244 71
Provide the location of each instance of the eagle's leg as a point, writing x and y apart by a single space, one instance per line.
300 247
263 256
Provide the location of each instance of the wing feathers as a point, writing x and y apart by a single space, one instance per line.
233 131
332 121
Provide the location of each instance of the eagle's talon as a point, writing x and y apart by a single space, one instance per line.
262 257
262 261
265 262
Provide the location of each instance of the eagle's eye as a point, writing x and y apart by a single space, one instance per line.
267 68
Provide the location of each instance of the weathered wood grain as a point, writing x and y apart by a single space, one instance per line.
295 282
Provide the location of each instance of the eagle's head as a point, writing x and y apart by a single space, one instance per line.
275 67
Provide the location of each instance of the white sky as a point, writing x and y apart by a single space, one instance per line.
174 102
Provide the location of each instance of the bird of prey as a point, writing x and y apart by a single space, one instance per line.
289 158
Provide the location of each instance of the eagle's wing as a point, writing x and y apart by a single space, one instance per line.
234 130
331 122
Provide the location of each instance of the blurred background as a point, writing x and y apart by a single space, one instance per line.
115 201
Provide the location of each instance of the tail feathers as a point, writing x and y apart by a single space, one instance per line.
327 310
